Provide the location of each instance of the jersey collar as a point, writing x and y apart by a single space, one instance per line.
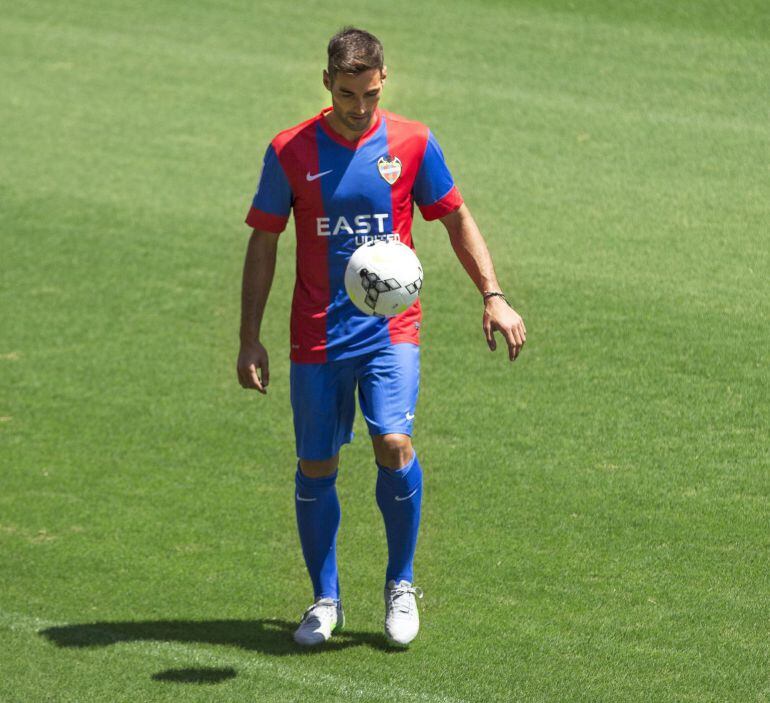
339 139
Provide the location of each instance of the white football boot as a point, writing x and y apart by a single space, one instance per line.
318 623
402 621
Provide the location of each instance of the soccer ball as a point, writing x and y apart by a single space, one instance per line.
383 278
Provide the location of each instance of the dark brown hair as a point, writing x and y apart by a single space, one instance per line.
354 51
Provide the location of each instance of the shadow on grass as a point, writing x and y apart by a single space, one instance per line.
204 675
267 636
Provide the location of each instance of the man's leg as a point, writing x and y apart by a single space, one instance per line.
399 497
318 519
323 400
388 389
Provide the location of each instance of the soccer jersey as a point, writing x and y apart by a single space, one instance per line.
343 195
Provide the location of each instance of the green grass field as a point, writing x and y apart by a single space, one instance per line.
596 517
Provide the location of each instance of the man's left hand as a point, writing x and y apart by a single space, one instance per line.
501 317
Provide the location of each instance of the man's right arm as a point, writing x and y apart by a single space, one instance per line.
258 271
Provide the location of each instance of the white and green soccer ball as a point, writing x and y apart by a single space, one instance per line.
383 278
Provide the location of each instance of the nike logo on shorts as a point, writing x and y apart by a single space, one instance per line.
305 500
400 498
316 176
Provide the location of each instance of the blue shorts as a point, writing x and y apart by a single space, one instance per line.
324 404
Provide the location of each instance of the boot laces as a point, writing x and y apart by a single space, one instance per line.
322 610
401 598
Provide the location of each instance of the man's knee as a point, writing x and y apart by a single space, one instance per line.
393 450
319 469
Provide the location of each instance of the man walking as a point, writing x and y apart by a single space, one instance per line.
351 174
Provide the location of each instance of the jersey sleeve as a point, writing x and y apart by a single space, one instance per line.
434 189
272 202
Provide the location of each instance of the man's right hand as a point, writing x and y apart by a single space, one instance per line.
253 356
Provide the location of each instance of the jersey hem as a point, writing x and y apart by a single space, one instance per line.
321 356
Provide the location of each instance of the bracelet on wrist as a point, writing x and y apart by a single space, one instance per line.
487 294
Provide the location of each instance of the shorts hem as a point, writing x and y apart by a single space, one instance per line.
389 429
324 458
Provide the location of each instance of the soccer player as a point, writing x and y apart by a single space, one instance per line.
353 173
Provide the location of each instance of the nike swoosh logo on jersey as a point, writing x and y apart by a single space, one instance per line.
407 497
410 416
305 500
313 177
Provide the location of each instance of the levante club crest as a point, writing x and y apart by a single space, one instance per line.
389 168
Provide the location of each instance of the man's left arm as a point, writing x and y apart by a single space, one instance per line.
471 249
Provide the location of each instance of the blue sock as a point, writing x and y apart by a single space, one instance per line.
318 519
399 495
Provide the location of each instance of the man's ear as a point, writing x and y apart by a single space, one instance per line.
384 73
327 80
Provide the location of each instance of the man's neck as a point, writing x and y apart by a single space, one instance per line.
348 134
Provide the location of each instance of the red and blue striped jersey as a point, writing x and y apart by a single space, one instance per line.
344 194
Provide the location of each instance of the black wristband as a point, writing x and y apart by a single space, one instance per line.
493 294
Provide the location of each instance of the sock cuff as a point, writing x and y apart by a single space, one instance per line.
403 471
315 485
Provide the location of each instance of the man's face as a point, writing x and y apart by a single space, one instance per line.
355 97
